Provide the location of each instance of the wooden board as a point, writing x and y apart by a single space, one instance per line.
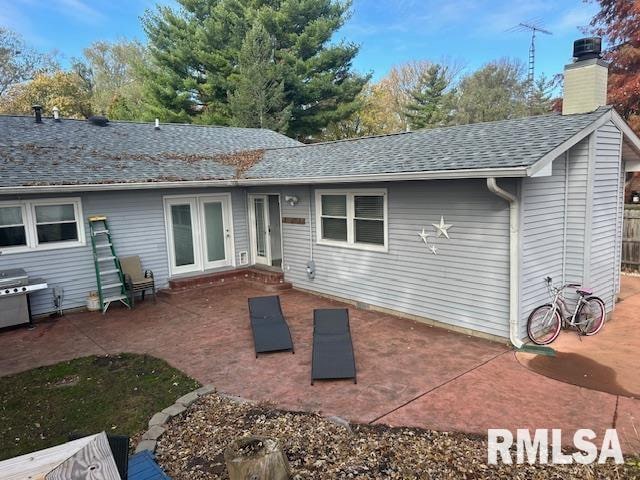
294 220
86 458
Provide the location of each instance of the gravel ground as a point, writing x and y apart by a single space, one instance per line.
193 446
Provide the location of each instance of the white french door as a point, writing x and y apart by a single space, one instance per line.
259 226
199 232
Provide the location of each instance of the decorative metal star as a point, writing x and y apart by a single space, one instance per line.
433 249
424 236
442 227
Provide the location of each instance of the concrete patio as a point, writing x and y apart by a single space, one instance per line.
409 373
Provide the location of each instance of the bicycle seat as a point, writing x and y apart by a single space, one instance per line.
584 291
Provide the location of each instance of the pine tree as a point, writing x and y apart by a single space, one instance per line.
541 98
259 99
428 105
196 58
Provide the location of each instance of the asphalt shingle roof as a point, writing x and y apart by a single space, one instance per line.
502 144
77 152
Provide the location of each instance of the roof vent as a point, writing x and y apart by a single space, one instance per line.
587 48
37 110
56 114
98 120
157 125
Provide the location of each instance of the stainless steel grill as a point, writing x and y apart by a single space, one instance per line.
15 286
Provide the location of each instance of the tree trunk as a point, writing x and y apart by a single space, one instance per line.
256 458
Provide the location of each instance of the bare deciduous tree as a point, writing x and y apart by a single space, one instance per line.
19 62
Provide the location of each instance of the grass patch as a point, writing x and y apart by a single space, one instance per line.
118 394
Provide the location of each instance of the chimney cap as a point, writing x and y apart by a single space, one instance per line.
587 48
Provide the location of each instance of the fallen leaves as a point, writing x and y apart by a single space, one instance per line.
317 448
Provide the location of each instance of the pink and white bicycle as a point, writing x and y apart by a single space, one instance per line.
546 321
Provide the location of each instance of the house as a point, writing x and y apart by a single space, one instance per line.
456 225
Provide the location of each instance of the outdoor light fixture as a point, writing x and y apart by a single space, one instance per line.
291 200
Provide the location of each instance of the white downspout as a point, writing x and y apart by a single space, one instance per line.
514 259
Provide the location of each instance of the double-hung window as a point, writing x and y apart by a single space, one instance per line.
13 231
40 224
352 218
55 222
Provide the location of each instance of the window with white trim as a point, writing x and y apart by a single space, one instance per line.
41 224
13 232
352 218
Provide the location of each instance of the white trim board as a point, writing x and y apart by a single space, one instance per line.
350 194
28 212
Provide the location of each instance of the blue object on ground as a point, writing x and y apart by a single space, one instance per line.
143 466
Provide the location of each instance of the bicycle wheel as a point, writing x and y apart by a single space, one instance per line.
543 325
590 316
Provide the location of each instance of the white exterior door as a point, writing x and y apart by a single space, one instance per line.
259 223
215 218
199 232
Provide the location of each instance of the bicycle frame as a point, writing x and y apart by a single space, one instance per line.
559 304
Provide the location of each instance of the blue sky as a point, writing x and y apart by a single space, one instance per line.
389 31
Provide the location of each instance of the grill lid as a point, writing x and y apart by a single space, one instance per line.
13 277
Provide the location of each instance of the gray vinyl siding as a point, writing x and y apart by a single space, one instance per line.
578 198
594 194
542 236
552 242
137 223
465 285
607 201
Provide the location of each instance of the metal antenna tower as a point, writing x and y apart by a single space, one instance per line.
534 27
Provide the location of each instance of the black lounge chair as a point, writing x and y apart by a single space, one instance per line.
270 330
332 356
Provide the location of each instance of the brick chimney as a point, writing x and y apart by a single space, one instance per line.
585 80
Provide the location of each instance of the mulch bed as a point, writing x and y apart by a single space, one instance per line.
193 447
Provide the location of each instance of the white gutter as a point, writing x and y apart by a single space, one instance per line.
514 259
93 187
250 182
392 177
